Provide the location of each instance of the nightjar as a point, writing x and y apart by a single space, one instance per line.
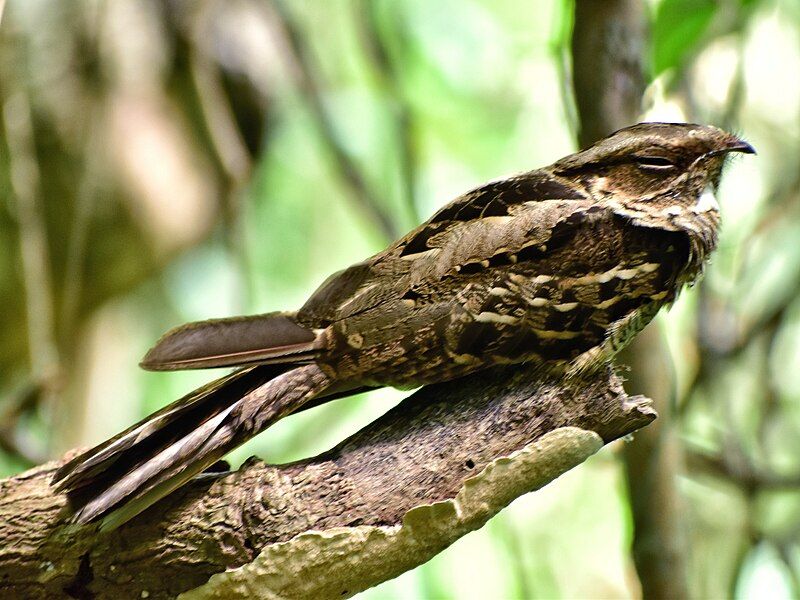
556 268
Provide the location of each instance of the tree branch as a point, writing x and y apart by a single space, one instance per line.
384 501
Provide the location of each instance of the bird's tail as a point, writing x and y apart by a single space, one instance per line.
124 475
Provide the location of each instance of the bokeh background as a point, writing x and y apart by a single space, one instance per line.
169 161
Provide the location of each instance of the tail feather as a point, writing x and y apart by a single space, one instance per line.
120 478
164 472
149 435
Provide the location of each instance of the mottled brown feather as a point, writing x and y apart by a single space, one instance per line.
558 267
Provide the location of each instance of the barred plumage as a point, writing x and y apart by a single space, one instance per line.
556 268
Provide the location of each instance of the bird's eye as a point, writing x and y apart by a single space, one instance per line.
654 163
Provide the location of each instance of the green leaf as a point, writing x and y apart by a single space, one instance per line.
678 28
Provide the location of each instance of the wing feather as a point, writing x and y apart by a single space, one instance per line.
272 338
467 229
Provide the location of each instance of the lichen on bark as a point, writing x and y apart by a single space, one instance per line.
340 562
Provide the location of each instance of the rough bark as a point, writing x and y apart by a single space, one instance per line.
609 46
385 500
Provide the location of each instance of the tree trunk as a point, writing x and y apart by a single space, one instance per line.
609 46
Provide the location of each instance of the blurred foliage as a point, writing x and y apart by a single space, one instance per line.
164 162
678 28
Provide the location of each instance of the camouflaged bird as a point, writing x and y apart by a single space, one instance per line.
557 268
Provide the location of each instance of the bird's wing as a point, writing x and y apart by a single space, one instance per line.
273 338
497 198
504 226
547 281
471 228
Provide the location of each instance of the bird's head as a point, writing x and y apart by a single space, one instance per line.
662 173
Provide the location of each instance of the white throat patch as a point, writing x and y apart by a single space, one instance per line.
706 202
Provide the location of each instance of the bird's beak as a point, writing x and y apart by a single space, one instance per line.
737 145
733 144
